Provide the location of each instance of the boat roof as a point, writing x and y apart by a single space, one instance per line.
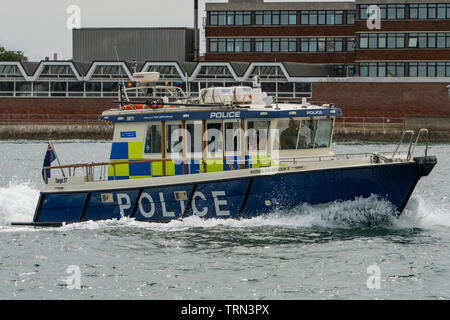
177 113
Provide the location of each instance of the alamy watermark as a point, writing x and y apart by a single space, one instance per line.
74 19
73 281
374 17
374 280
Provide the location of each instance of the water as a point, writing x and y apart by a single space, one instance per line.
311 252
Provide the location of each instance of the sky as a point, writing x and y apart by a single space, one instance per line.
39 28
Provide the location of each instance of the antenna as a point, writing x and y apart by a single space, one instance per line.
122 89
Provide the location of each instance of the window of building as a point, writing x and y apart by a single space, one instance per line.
351 17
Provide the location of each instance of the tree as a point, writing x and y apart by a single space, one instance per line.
6 55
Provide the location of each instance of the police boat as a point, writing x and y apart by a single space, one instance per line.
232 152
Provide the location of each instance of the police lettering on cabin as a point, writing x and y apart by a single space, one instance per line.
225 115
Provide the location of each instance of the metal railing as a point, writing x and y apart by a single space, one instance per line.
15 118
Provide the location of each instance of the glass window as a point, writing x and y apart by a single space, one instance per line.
440 40
222 18
312 45
432 40
339 17
422 40
41 86
364 41
432 11
247 18
391 41
400 42
57 86
304 17
401 11
79 87
174 138
400 69
413 69
232 136
259 17
288 130
363 70
267 18
257 136
230 18
382 70
214 138
284 17
350 44
321 17
306 135
413 40
213 18
339 45
292 45
441 11
230 45
194 136
373 41
391 12
440 69
321 45
413 11
259 45
275 17
323 133
239 18
350 17
212 45
330 17
275 45
422 69
373 69
422 11
431 69
363 14
267 45
313 17
292 17
221 45
153 139
382 40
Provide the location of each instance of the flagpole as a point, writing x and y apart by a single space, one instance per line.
56 156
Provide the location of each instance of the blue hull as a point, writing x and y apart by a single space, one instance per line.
237 198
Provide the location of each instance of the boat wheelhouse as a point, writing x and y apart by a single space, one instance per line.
229 153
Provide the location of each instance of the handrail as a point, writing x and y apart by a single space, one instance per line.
410 154
411 132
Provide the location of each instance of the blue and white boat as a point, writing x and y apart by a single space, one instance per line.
230 153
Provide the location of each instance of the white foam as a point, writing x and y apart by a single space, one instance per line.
421 213
17 203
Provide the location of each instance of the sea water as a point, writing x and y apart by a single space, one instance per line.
342 250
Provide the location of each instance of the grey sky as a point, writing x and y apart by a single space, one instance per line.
39 27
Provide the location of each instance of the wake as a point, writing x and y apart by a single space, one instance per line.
18 202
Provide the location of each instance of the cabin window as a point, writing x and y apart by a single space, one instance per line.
153 139
304 134
174 138
257 136
232 136
194 136
214 138
323 133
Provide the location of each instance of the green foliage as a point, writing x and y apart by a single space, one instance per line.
6 55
